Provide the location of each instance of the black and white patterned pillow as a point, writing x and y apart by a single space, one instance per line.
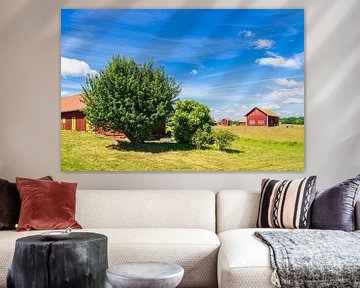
286 204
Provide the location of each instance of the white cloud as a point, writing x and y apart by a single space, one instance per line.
75 68
295 62
264 44
234 112
64 93
272 107
287 82
194 72
281 93
293 101
271 54
286 113
246 33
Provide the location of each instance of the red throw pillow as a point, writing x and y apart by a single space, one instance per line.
46 204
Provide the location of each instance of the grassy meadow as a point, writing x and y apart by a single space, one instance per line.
257 149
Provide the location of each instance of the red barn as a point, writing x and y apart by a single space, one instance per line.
73 118
225 122
72 113
261 117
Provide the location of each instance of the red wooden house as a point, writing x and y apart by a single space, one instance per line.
261 117
73 116
225 122
72 113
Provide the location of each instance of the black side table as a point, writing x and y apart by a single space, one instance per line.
79 261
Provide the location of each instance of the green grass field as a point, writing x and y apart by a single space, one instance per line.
257 149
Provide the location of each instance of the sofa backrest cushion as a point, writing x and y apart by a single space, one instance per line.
146 209
236 209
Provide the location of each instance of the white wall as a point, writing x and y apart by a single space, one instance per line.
30 94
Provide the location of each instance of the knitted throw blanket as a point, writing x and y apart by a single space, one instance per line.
313 258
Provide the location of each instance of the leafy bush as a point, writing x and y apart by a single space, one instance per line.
130 97
293 120
201 138
223 138
190 117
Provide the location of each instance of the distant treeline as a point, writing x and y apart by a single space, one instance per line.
292 120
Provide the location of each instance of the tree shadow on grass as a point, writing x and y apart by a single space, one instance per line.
233 151
161 147
151 147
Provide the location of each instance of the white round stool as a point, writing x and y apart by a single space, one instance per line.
145 275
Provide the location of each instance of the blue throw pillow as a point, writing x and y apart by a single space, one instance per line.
334 208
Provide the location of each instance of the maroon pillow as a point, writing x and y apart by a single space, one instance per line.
46 204
10 204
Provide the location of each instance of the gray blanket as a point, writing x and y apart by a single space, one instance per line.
314 258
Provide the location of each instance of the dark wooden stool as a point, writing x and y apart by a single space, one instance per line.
79 261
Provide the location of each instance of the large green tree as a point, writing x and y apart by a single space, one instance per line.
129 97
190 118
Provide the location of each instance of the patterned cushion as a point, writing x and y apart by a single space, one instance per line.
286 204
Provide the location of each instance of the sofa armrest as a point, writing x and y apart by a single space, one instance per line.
357 215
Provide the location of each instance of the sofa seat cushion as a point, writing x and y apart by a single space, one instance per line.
244 261
194 249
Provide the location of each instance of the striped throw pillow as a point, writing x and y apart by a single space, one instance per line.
286 204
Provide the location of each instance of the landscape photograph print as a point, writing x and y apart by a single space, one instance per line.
182 90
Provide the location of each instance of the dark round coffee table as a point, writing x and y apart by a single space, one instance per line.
80 261
145 275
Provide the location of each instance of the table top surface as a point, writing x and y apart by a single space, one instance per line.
146 270
73 237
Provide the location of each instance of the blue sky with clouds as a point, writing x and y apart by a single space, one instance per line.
230 60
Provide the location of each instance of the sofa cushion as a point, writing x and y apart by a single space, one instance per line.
334 208
153 209
286 204
236 209
10 204
244 261
46 204
194 249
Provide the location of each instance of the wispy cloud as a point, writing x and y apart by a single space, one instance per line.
285 93
281 93
64 92
287 113
194 72
235 112
75 68
264 44
272 106
195 91
288 82
246 33
296 62
293 101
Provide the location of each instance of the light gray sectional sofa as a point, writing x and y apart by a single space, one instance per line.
210 235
